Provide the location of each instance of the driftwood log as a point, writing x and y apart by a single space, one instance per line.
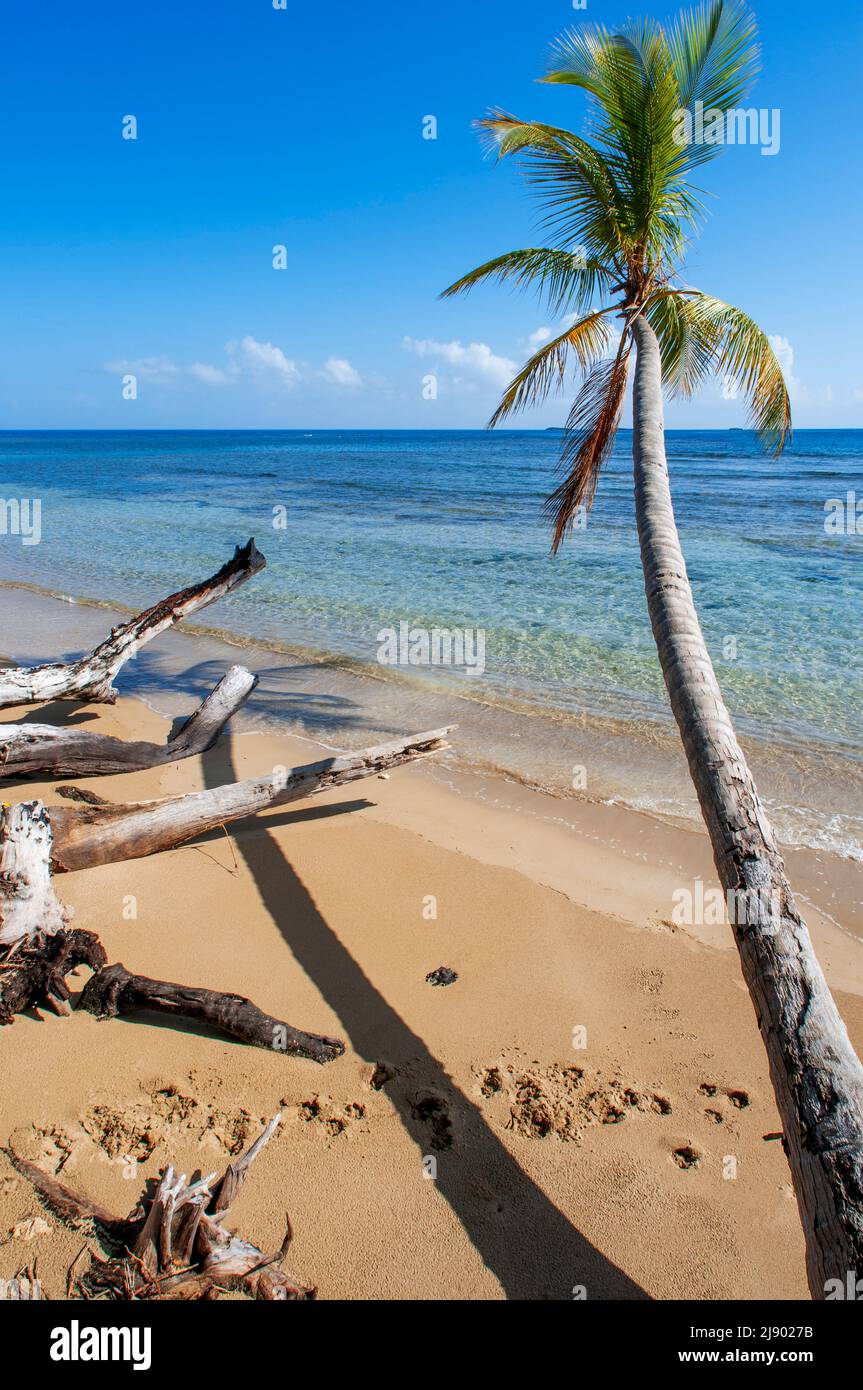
74 1209
37 952
179 1247
30 749
104 833
23 1287
90 677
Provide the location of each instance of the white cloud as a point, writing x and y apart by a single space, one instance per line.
157 369
476 360
730 389
339 371
538 337
246 357
262 358
162 371
784 354
213 376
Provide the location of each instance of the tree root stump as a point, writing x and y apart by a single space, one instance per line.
177 1246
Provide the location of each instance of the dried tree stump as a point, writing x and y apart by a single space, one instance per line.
180 1248
29 907
37 952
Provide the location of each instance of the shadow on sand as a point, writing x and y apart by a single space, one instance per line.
523 1238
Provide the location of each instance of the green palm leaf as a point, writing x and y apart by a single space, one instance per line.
574 181
587 340
715 54
743 355
687 344
700 336
566 280
618 208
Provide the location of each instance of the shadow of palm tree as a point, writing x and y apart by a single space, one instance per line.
523 1238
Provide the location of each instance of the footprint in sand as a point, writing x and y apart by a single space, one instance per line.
562 1101
154 1122
332 1117
686 1157
739 1099
432 1110
380 1074
648 981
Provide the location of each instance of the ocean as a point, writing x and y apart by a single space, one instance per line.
366 531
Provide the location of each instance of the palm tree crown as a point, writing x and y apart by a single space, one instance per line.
618 208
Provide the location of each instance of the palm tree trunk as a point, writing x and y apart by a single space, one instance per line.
816 1075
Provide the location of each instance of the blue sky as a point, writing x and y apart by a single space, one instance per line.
304 127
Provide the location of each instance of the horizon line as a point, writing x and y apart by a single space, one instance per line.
385 429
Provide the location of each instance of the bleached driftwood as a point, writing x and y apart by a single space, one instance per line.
28 904
37 952
90 678
23 1287
103 834
28 749
180 1248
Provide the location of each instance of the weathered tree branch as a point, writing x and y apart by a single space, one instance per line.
71 1207
103 834
35 974
90 678
181 1248
114 991
27 749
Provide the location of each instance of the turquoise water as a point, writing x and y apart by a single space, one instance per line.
445 529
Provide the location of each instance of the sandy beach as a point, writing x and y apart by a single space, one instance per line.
592 1090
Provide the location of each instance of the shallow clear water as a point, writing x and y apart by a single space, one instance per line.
446 530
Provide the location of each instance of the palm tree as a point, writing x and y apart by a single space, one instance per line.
618 210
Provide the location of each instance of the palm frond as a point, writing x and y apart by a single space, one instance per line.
744 356
588 437
566 280
699 334
587 339
715 53
687 341
631 80
573 179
